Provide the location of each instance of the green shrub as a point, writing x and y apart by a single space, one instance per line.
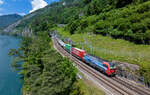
73 27
147 36
95 7
100 25
144 7
146 22
83 24
138 27
135 18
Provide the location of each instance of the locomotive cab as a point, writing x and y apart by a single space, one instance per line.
113 70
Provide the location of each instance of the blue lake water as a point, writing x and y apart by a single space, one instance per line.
9 80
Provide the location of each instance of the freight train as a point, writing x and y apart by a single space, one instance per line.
104 66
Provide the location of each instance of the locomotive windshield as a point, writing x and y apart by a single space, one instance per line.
112 65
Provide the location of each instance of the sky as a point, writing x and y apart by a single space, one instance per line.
22 7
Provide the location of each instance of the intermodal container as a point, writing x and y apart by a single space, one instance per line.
61 43
68 47
78 52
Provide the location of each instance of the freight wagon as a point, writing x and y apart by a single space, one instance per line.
68 47
79 53
61 42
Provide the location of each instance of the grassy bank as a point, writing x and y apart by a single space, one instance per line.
113 49
89 88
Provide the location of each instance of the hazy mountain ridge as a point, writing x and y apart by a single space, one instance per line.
11 27
51 12
6 20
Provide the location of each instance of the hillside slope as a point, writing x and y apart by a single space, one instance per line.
6 20
54 13
128 20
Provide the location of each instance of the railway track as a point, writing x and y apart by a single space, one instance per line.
139 90
121 87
